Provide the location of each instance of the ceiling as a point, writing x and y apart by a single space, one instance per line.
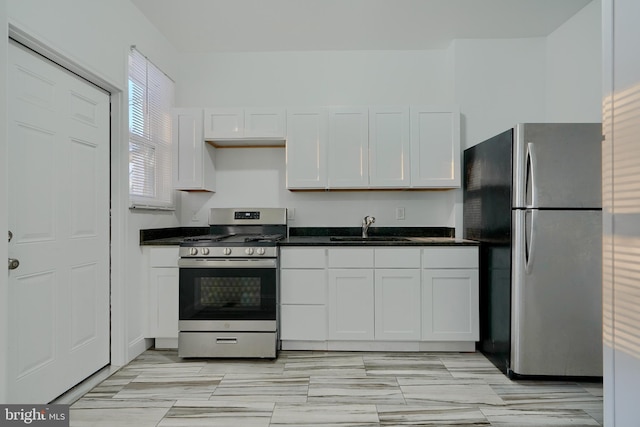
302 25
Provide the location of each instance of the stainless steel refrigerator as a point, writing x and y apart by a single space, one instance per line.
532 197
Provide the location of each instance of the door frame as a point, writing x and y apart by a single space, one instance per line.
118 189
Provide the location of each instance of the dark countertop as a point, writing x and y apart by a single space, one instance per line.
411 241
321 236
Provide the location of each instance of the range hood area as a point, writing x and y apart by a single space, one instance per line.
247 142
245 127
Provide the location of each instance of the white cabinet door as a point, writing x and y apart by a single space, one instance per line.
303 323
223 123
264 123
389 147
244 123
348 148
397 304
163 320
351 309
435 147
307 137
193 159
450 305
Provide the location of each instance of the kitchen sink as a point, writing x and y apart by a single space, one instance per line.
368 239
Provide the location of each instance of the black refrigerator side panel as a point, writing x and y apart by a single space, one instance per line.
487 187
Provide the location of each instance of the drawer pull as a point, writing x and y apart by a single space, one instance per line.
224 340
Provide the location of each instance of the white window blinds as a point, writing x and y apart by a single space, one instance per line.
150 102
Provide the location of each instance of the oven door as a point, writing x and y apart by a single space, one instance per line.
229 295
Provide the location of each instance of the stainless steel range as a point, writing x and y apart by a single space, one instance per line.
229 285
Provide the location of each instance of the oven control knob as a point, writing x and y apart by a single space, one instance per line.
193 251
226 251
248 251
260 251
205 251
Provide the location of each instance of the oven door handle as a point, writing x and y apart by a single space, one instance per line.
227 263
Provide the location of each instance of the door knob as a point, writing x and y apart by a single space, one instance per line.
10 235
13 263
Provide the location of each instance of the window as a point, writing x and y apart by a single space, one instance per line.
150 102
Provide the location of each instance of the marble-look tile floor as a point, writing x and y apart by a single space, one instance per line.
331 389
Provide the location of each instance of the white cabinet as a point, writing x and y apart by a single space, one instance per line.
450 294
435 147
397 304
194 167
374 294
303 294
373 147
307 138
351 309
387 298
163 295
348 155
351 293
397 294
389 147
255 126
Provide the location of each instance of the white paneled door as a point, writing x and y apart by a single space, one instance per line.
59 217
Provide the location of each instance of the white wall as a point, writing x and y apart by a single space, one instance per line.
574 68
498 83
96 35
314 78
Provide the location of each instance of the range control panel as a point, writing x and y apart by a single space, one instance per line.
246 215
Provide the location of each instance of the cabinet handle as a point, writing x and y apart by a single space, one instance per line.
224 340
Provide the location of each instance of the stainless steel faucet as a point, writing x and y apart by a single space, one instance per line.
366 223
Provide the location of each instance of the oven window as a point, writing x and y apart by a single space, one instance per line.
227 294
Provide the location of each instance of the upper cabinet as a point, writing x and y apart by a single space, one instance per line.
244 126
373 148
307 137
348 159
389 148
435 147
193 159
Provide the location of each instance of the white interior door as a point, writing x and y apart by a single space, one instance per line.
59 217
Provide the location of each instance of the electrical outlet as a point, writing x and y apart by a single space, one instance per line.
400 213
291 214
194 216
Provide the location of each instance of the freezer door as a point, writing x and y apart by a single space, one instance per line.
556 318
557 165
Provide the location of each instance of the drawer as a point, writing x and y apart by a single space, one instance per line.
302 258
303 286
397 258
450 257
350 258
164 257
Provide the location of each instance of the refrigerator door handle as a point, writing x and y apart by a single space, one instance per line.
531 196
529 224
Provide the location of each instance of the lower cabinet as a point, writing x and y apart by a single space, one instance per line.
397 304
450 294
163 320
163 295
303 295
351 309
383 298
